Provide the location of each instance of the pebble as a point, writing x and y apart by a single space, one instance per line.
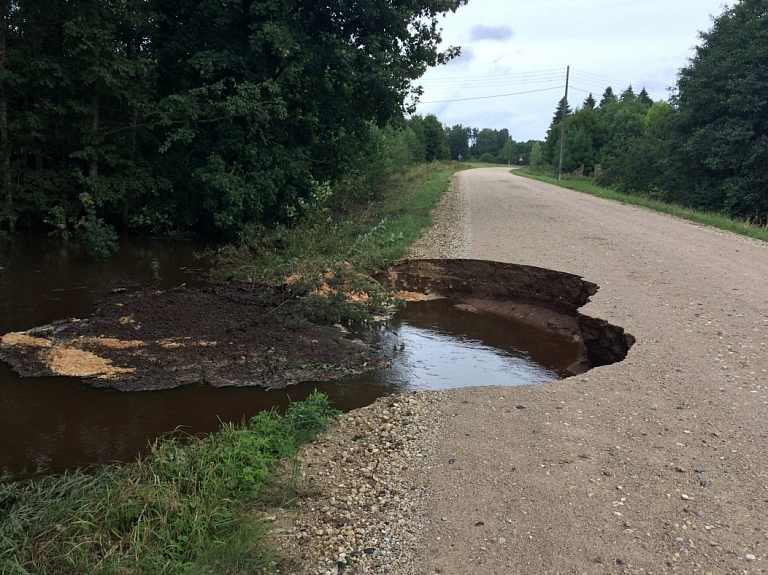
362 511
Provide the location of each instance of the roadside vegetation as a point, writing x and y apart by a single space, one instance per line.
326 261
194 505
715 220
704 148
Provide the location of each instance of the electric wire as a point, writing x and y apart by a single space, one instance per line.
494 96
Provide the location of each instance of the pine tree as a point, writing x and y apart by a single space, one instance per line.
644 98
608 97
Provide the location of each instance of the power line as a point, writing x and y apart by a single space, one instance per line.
489 97
494 82
600 77
553 71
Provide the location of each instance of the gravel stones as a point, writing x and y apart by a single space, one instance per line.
363 514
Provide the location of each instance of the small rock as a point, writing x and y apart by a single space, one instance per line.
519 407
502 540
479 523
685 497
451 461
749 557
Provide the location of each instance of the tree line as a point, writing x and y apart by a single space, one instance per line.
706 147
153 116
169 116
464 143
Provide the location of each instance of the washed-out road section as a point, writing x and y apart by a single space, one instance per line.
656 464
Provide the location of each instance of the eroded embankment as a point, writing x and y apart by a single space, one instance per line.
543 297
228 336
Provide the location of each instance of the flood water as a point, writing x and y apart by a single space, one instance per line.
59 423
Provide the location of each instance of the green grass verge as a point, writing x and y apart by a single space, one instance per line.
340 248
192 506
715 220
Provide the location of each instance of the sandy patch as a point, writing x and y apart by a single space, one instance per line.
78 363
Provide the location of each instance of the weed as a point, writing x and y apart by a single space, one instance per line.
186 508
333 256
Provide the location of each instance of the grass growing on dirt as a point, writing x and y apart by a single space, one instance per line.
189 507
715 220
335 252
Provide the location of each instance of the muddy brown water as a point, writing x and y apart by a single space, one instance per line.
58 423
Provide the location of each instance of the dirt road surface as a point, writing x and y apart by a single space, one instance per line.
658 464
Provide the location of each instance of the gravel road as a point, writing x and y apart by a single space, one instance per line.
657 464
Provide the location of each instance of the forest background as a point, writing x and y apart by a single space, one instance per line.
232 120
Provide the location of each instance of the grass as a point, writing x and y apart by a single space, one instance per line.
192 506
339 247
715 220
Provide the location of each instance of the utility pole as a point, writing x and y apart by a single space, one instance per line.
562 128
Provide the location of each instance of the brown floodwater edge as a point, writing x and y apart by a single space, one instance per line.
58 423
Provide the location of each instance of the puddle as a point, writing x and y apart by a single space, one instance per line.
440 344
514 325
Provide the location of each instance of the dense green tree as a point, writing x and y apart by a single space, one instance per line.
590 102
509 151
435 141
608 97
721 125
535 157
487 142
551 147
628 95
155 115
458 142
644 97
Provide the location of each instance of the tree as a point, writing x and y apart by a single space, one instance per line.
435 142
721 125
154 115
644 98
551 148
458 142
487 142
628 95
509 151
608 98
536 156
590 102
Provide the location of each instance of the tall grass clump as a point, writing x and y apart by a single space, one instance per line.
191 506
716 220
333 246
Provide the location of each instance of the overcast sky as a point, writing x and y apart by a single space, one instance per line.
513 46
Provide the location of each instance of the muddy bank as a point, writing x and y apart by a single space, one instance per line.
539 296
229 335
221 336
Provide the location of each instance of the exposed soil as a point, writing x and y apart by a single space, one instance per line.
233 336
226 335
